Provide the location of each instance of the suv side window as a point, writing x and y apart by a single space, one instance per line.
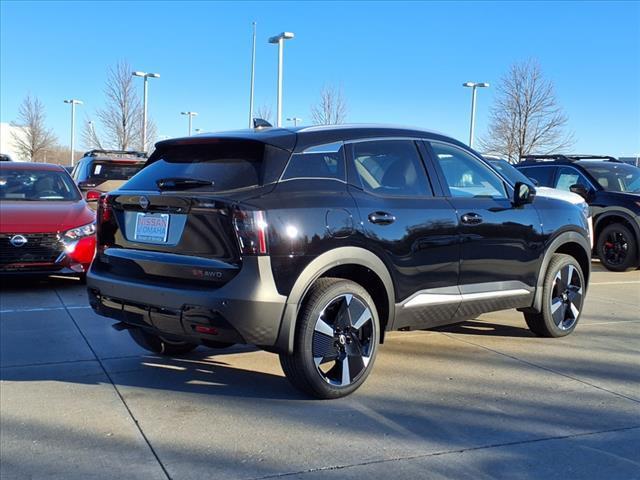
465 175
542 175
391 168
317 162
570 176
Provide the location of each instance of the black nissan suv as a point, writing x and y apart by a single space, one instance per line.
314 242
612 190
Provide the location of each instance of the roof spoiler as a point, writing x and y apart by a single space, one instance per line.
133 153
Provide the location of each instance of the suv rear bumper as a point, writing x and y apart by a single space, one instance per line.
248 309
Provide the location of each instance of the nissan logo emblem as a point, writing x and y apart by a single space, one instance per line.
18 240
144 202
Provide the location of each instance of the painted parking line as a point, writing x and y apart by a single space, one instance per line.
43 309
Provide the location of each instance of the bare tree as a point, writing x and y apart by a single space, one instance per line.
121 118
332 108
526 118
264 112
32 138
90 138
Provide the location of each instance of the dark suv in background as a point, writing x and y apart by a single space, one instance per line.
100 171
314 242
612 190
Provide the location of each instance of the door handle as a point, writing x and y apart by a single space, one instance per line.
471 218
381 218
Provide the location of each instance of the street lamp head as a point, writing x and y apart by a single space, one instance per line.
191 114
73 101
138 74
475 84
282 36
153 75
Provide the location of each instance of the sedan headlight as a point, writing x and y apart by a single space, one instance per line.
79 232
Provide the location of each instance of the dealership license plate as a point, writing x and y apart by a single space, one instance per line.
152 227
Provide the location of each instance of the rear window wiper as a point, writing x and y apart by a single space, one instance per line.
179 183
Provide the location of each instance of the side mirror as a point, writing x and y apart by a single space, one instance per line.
534 181
523 194
93 196
580 190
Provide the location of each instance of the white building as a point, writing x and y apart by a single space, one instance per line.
7 144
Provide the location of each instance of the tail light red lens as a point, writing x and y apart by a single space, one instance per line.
251 229
93 196
104 210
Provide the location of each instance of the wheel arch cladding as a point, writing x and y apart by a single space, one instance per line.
351 263
569 243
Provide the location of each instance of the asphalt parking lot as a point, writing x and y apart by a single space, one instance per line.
481 400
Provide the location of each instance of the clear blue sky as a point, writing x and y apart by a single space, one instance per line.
396 62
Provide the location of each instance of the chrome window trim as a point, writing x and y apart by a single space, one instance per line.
333 147
313 178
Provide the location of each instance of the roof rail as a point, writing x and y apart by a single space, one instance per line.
133 153
565 157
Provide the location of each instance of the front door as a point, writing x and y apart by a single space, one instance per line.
501 244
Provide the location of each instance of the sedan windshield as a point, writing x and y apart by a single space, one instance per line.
36 185
615 177
511 173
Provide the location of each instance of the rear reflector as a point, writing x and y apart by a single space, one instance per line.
207 330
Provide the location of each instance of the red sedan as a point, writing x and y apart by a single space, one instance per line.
45 224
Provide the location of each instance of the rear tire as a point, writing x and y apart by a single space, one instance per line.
617 248
336 342
562 298
157 344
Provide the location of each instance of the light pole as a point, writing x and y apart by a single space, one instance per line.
73 103
279 40
295 120
190 115
144 104
253 72
473 86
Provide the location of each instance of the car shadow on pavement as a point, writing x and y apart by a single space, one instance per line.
479 327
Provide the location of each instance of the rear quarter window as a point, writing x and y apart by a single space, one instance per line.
314 164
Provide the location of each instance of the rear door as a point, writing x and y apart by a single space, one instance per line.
409 226
501 245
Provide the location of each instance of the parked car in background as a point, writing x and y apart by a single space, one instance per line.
100 171
46 226
612 190
5 158
314 242
513 176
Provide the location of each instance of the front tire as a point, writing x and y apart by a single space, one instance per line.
617 248
157 344
562 298
336 342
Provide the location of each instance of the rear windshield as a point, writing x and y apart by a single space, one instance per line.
226 165
114 170
37 185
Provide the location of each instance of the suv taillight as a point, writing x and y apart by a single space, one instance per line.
104 224
251 229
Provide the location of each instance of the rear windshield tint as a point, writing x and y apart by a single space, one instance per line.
114 170
229 165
